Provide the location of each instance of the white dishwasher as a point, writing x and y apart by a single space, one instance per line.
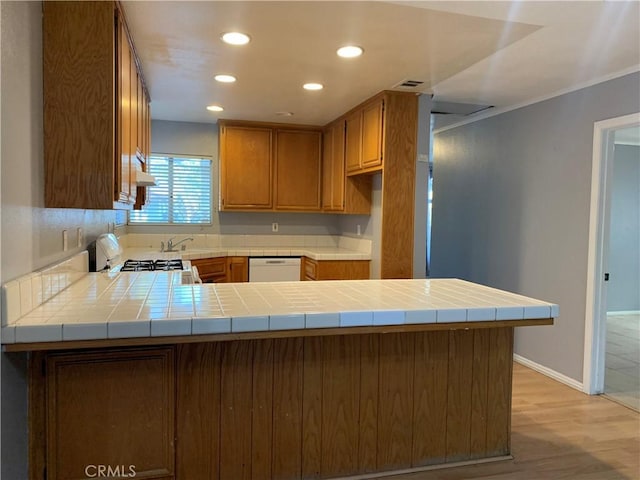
274 269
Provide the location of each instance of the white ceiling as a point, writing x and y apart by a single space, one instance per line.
490 53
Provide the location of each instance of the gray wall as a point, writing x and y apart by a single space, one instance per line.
511 208
31 235
201 139
623 289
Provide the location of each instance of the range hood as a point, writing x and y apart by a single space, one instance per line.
143 179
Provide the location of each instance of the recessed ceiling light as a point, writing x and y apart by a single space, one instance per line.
215 108
350 51
313 86
225 78
235 38
284 114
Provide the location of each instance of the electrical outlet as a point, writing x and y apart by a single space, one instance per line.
274 227
80 237
65 240
358 230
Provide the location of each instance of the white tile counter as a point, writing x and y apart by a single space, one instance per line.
156 304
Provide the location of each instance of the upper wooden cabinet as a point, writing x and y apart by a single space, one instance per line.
269 167
93 122
364 138
341 194
246 167
297 170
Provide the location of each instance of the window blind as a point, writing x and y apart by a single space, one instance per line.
182 194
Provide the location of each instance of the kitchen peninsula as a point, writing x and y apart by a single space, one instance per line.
278 380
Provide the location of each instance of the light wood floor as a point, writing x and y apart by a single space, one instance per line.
622 362
559 433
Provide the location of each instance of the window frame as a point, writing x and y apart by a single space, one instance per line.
171 157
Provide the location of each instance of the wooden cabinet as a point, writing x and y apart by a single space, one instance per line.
246 167
333 174
364 138
334 269
269 167
223 269
212 270
237 269
353 139
297 179
113 408
340 193
381 135
91 105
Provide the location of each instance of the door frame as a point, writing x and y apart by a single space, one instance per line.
595 313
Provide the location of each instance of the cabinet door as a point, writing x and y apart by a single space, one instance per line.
123 174
333 169
372 135
338 167
297 170
212 270
237 269
353 147
246 175
134 139
114 409
327 169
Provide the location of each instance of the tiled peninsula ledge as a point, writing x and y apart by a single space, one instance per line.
110 309
286 380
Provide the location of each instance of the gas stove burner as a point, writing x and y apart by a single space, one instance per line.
151 265
174 264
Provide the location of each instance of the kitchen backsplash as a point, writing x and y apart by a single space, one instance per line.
143 240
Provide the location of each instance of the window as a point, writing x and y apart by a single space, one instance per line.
182 194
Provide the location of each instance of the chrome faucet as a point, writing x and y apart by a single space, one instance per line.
171 246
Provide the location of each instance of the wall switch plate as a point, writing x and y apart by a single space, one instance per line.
65 240
80 237
274 227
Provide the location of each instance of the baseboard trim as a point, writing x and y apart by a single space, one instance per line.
427 468
548 372
625 312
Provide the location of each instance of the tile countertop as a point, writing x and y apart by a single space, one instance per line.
316 253
156 304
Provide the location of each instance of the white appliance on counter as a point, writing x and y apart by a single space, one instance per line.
275 269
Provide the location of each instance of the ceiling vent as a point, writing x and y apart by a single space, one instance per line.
408 84
452 108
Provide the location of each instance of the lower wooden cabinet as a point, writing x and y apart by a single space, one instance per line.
334 269
109 412
211 270
222 269
237 269
273 408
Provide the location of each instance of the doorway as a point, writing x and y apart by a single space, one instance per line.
612 266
